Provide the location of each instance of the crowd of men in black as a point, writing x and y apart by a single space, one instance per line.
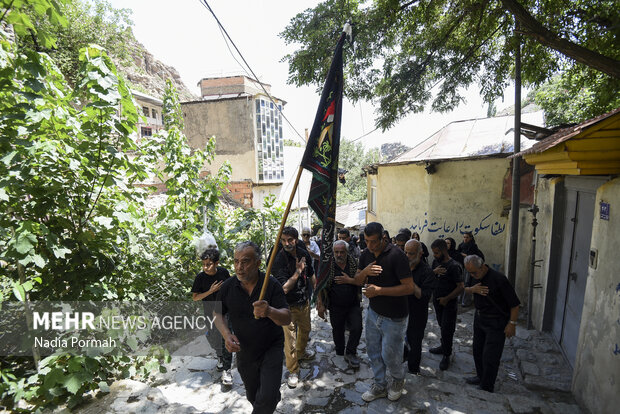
395 276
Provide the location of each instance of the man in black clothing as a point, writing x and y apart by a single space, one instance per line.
497 310
423 285
206 285
354 251
293 269
400 240
257 338
342 297
448 286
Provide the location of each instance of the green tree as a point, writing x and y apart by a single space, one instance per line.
417 53
87 22
352 158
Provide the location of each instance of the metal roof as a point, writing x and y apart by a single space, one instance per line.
565 134
353 214
472 138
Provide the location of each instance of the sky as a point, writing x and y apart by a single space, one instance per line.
184 34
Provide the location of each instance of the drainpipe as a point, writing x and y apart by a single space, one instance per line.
516 167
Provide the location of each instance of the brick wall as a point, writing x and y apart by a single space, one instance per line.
241 191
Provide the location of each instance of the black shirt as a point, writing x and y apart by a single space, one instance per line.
501 298
203 282
395 267
255 335
446 283
469 249
424 277
284 267
343 295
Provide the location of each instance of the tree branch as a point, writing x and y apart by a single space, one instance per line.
535 30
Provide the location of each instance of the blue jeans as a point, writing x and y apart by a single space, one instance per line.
385 339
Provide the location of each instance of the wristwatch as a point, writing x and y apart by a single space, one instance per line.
513 322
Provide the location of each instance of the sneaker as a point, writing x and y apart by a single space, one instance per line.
220 365
308 354
445 363
473 380
227 377
293 380
396 389
374 392
437 350
352 360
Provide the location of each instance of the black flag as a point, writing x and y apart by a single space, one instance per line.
321 158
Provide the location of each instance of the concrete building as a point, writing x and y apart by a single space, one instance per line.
457 180
577 294
247 126
150 107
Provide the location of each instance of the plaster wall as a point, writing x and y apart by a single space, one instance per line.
546 190
263 191
460 196
596 378
231 121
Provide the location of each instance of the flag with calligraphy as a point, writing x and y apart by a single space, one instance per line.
321 159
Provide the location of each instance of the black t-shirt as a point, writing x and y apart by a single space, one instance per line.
469 249
343 295
424 277
395 267
255 335
203 282
501 298
446 283
284 267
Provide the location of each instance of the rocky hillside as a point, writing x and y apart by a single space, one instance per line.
148 75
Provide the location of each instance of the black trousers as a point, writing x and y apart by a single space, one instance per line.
346 318
418 316
489 338
446 318
262 377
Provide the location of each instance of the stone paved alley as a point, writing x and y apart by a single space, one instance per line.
533 378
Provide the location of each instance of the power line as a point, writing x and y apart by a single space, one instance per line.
228 38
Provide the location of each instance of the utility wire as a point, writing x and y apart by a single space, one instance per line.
205 3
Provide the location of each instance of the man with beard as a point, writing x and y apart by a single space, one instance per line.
423 285
448 286
293 269
342 297
497 310
389 282
257 338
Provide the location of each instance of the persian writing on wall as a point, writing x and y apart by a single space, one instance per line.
447 226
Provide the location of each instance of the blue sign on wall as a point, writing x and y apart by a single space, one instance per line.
604 211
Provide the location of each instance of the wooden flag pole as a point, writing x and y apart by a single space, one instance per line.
275 245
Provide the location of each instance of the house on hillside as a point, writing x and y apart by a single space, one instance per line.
578 245
150 108
455 181
247 125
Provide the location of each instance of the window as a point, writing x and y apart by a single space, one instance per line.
258 106
154 113
373 194
145 110
146 132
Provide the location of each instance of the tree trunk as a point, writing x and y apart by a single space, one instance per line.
534 29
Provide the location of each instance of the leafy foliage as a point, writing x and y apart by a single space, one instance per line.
352 158
86 22
73 188
414 54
